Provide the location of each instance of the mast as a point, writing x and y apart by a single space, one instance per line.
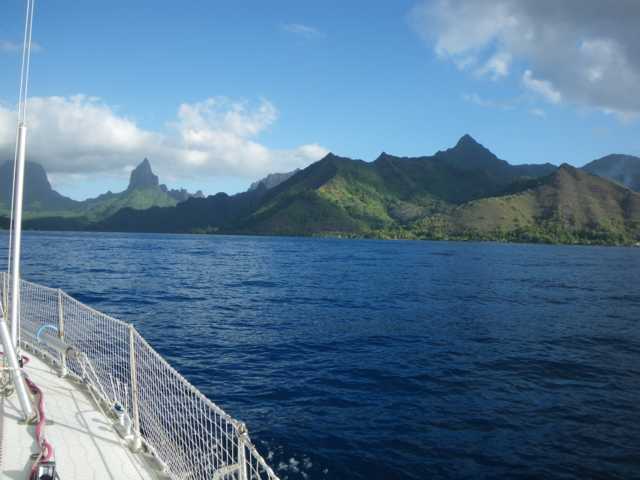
10 339
16 233
18 182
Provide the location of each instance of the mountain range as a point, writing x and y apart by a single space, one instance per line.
40 200
464 192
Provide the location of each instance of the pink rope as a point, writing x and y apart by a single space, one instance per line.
46 449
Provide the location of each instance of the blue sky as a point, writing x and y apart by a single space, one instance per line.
300 78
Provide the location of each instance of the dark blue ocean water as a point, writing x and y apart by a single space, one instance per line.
386 360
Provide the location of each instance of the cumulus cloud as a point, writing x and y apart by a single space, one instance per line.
76 134
302 30
544 88
81 135
580 51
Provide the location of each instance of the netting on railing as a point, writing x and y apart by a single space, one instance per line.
191 436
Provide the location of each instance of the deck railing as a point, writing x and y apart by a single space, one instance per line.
189 435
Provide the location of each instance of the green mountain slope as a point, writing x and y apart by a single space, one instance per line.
446 196
216 213
144 191
341 195
623 169
568 206
335 194
139 199
38 194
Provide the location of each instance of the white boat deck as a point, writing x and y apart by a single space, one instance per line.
85 443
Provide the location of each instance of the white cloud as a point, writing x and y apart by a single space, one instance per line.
497 66
544 88
7 46
302 30
583 52
223 114
81 135
477 24
76 135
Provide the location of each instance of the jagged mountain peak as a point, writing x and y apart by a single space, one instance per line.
328 157
467 140
143 177
384 156
469 154
470 146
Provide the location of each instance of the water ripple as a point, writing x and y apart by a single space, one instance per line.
386 360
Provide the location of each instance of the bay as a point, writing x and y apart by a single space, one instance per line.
385 359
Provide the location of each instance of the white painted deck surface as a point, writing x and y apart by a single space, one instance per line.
86 445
